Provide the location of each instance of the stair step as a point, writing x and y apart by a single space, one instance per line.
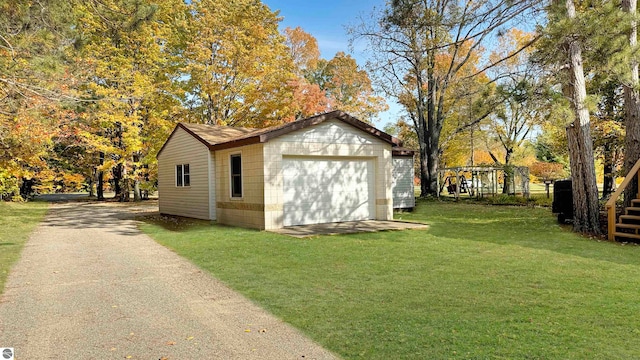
629 226
626 235
630 219
632 208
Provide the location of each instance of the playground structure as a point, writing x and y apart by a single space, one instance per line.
481 181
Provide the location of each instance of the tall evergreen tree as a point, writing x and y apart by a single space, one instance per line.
631 88
586 215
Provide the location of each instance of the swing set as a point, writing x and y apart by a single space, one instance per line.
481 181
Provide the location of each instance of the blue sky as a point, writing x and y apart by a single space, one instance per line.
326 21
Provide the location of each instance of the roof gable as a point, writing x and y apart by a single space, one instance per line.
217 137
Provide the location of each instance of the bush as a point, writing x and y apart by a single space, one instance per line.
8 186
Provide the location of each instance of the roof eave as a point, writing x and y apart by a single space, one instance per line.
403 152
237 143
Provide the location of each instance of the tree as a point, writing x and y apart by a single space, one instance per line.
631 89
348 87
608 131
128 68
585 191
322 85
547 170
304 51
524 95
407 42
308 98
34 37
237 64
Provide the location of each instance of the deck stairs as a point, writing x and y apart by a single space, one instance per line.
628 225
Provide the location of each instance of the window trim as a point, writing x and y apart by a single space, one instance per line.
235 195
183 178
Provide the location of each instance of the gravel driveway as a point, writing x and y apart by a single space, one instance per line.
89 285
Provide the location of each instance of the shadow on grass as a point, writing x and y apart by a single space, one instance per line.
175 223
534 228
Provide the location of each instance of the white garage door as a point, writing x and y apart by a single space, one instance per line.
324 190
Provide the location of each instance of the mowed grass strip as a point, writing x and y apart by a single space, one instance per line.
482 282
17 221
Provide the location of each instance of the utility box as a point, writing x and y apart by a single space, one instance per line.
563 200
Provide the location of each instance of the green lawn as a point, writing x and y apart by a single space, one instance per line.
483 282
17 221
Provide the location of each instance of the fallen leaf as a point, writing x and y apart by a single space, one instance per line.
113 349
131 334
128 357
164 358
171 342
248 330
190 338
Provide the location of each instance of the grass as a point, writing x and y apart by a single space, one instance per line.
483 282
17 221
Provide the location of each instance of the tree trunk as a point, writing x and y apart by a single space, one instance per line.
137 195
26 188
424 170
586 215
100 188
125 191
92 180
117 179
431 134
508 174
609 185
632 107
432 171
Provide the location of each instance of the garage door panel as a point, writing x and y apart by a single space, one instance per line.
327 190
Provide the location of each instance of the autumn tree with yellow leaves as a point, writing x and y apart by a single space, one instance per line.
407 41
323 85
236 64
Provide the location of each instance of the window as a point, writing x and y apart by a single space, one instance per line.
236 176
182 175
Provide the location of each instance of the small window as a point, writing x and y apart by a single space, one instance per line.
236 175
182 175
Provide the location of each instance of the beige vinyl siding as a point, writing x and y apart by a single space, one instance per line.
403 191
330 139
190 201
248 210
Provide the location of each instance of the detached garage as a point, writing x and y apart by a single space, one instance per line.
327 168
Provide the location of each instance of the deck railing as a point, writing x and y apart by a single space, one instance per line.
611 203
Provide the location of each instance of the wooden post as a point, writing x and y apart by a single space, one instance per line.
637 193
457 184
611 223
